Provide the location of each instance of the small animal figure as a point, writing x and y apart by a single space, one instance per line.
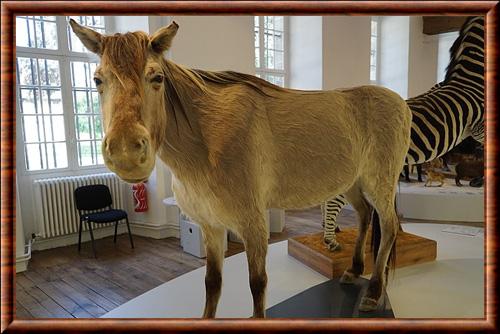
472 168
433 174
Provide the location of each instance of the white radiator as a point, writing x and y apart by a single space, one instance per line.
56 210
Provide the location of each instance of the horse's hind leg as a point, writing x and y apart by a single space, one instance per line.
214 248
389 225
254 236
364 210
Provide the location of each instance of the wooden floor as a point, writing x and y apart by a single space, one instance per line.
61 283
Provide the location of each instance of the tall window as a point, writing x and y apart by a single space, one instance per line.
374 50
57 102
270 46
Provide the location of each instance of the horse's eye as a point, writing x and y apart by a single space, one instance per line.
97 81
158 78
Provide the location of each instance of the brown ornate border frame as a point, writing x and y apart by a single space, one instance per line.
11 8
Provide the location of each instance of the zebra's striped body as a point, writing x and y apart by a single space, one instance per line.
445 115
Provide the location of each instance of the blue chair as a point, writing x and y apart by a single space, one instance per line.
95 205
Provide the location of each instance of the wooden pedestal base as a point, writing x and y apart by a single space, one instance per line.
310 250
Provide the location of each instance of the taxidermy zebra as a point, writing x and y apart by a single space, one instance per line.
407 169
445 115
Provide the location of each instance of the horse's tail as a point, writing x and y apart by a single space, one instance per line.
375 243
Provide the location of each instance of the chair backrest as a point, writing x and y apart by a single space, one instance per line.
92 197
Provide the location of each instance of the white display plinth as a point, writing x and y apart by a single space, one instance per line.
446 203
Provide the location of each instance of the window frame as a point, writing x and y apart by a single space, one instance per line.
263 70
64 56
377 52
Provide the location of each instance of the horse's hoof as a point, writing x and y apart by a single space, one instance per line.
348 278
368 304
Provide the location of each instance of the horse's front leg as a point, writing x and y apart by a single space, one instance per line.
255 238
214 248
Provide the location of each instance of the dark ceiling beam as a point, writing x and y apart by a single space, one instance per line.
434 25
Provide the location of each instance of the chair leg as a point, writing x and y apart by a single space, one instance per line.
80 236
129 233
116 229
92 237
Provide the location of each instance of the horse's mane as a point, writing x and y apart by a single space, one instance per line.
231 77
178 80
456 50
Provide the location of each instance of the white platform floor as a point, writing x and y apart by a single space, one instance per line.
446 203
450 287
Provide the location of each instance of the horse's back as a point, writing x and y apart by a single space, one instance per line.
323 141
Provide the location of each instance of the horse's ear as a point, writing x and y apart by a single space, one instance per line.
90 38
162 39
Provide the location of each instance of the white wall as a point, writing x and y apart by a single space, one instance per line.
394 50
422 61
129 23
444 41
305 52
215 43
346 51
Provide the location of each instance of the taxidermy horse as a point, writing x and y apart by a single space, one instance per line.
237 145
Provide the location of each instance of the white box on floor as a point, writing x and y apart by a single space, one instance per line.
192 237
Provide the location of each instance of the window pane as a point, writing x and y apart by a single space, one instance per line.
268 22
29 101
61 156
278 41
85 153
373 73
57 156
81 102
50 35
31 129
95 103
48 126
52 101
36 32
100 160
278 23
269 55
41 106
79 74
83 127
87 110
269 40
98 127
374 27
257 57
22 37
34 157
279 60
58 128
51 156
49 72
27 71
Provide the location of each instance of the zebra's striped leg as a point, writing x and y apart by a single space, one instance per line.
331 209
